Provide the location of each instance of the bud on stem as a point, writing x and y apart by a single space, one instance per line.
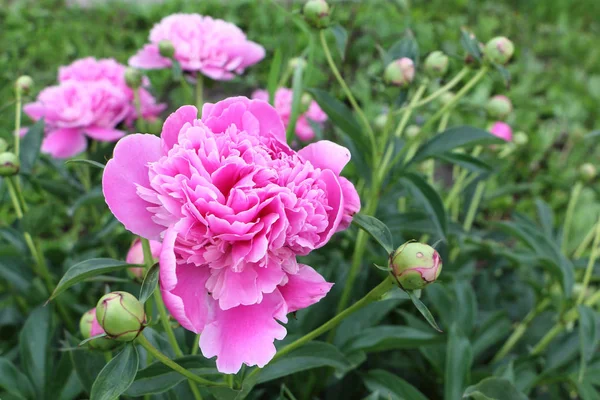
121 316
415 265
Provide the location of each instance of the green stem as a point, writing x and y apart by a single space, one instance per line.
14 198
591 262
173 365
473 206
18 122
585 243
229 380
459 183
409 110
569 215
199 91
141 123
196 345
107 356
375 294
347 91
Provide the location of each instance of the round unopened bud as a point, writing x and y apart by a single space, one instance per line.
446 98
3 145
305 102
121 316
499 50
588 172
436 64
520 138
133 78
9 164
89 327
415 265
499 106
166 48
400 72
412 131
381 120
24 84
296 62
316 13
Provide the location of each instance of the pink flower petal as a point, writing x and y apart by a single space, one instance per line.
104 134
127 170
326 155
351 202
174 123
304 288
244 334
149 58
335 201
64 143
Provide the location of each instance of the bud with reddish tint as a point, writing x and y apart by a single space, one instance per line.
135 255
400 72
24 84
499 50
9 164
316 13
415 265
121 316
499 106
436 64
89 327
166 48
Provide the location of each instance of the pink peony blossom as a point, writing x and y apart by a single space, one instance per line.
73 110
283 105
135 255
502 130
90 69
234 206
215 48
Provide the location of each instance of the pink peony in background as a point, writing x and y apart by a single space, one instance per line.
502 130
135 255
213 47
283 105
234 206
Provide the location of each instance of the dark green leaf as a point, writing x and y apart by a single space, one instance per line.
30 146
274 73
592 135
87 269
341 39
34 347
13 381
493 389
83 342
545 216
405 47
465 306
297 89
176 70
311 355
423 310
94 196
385 337
377 229
429 198
390 386
457 137
117 375
14 237
588 336
466 161
87 364
14 270
149 284
86 162
587 391
459 357
61 378
494 329
470 44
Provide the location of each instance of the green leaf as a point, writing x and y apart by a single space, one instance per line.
87 269
470 44
386 337
86 162
545 216
429 198
149 284
405 47
423 310
495 328
341 39
84 341
176 71
31 144
314 354
14 238
588 336
459 357
117 375
493 389
34 347
465 305
592 135
457 137
274 73
14 270
87 364
390 386
466 161
158 378
13 381
297 89
94 196
62 379
377 229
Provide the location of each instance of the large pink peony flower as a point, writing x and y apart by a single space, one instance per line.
213 47
74 110
502 130
283 105
234 206
135 255
90 69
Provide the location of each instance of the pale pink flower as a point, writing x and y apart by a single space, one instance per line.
234 205
92 323
90 69
213 47
501 130
283 105
74 110
135 255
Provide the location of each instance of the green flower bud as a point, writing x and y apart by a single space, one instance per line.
412 131
400 72
166 48
316 13
305 102
24 84
415 265
296 62
499 50
436 64
520 138
499 106
133 78
381 120
588 172
88 326
9 164
154 126
446 98
3 145
121 316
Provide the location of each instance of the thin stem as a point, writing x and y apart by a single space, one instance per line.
473 206
229 380
347 91
199 91
591 262
196 345
141 123
14 198
569 215
585 243
18 121
409 110
460 181
173 365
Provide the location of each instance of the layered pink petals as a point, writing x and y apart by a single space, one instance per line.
213 47
234 206
64 143
283 105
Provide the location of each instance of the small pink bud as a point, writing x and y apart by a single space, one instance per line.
501 130
89 327
436 64
499 50
400 72
135 255
415 265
